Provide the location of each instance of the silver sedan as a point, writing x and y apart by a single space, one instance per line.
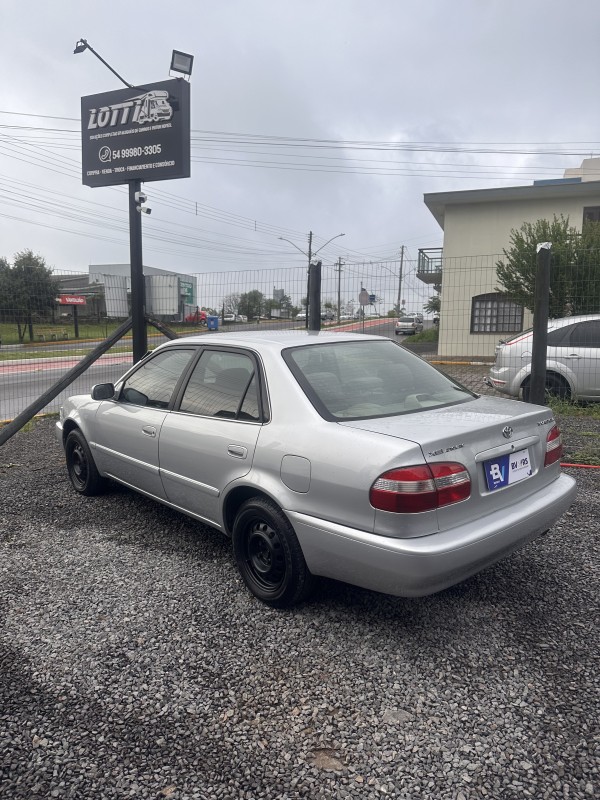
332 454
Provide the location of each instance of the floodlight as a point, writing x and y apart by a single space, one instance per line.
182 62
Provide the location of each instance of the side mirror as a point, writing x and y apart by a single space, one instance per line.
103 391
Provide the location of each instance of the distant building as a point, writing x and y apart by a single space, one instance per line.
109 285
477 225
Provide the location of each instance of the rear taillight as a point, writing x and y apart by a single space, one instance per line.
554 446
410 490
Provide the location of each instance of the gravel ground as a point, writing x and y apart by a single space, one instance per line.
133 663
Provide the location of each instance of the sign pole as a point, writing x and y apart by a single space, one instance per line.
138 304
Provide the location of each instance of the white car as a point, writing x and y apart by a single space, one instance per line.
409 325
229 318
334 454
572 360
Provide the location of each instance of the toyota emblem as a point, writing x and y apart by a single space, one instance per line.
507 432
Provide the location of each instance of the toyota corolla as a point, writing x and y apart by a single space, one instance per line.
324 454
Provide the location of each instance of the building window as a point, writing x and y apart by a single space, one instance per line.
591 214
493 313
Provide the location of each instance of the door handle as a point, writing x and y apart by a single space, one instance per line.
237 451
149 430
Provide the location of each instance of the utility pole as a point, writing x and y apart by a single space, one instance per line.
339 302
308 278
400 278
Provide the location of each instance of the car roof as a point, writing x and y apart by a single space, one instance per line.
273 340
561 321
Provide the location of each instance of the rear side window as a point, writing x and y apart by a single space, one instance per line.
154 382
223 385
560 337
586 334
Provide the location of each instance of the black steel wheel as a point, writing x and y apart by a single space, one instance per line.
556 386
82 470
269 556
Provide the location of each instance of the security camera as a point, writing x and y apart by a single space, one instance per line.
140 197
144 209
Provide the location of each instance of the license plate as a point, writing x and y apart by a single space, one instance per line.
504 470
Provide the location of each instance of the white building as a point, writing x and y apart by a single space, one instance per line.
477 226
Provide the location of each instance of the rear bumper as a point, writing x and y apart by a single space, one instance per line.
421 566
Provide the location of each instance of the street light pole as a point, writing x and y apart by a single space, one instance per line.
138 302
310 255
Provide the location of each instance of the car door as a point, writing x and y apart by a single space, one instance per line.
582 357
128 427
209 439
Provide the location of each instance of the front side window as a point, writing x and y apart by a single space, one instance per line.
223 384
154 382
493 313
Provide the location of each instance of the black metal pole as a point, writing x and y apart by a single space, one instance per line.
314 301
541 305
138 304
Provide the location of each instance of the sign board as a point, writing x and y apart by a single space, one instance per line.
71 300
363 298
186 289
372 299
141 134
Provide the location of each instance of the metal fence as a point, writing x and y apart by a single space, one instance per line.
48 322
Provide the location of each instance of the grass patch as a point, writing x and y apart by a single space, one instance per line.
17 355
428 335
584 457
567 408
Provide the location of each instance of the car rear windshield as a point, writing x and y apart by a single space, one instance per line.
407 319
364 380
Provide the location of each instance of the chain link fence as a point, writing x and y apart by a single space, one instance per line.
454 314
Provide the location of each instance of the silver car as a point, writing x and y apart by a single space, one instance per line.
334 454
409 325
572 360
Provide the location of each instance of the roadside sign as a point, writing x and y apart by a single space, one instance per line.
71 300
142 133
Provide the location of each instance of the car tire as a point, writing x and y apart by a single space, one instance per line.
556 386
83 474
269 556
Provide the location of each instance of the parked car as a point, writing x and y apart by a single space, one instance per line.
301 316
409 325
241 318
572 360
198 317
229 318
334 454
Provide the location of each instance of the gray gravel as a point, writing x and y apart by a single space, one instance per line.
133 663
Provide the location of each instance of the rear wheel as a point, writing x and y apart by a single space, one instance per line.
82 470
269 556
556 386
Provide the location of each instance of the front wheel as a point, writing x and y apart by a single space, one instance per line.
269 556
82 470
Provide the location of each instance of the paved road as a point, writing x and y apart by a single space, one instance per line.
21 383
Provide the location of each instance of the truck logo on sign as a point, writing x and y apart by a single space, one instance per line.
149 107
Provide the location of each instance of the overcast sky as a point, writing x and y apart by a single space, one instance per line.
420 84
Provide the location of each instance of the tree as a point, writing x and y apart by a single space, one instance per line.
231 303
574 270
433 305
27 288
252 303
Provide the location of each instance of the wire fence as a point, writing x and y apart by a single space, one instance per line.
452 312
